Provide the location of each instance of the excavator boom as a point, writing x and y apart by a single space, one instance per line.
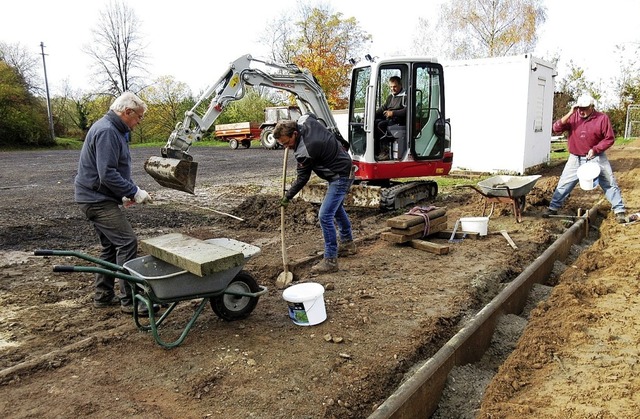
176 168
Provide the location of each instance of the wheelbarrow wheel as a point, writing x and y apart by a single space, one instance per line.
233 307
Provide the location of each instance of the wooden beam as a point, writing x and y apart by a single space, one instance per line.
408 220
438 249
420 227
404 238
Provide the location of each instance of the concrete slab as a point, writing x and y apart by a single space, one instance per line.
191 254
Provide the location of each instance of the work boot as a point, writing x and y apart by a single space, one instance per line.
621 217
347 248
108 301
326 265
549 212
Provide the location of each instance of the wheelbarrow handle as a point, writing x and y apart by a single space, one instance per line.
43 252
63 268
471 187
94 269
51 252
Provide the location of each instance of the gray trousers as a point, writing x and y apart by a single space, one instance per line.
119 245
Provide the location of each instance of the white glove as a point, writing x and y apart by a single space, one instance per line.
142 197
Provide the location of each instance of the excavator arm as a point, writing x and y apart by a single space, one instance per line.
176 168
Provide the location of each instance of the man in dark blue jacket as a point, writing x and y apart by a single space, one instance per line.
103 183
317 150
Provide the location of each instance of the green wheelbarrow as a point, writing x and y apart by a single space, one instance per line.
232 293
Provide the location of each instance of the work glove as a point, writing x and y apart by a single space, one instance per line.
142 197
284 202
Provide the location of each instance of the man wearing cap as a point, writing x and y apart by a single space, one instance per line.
590 135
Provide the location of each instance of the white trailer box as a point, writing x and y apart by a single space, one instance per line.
501 113
342 121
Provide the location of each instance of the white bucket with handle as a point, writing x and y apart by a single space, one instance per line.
306 303
588 175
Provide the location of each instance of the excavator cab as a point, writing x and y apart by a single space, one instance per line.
421 146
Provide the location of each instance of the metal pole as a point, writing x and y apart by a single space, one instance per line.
46 85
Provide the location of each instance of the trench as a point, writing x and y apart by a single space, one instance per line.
420 393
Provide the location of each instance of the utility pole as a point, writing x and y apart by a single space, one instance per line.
46 85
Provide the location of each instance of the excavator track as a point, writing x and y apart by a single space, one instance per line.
404 194
389 197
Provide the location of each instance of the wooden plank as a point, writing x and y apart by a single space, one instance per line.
408 220
194 255
438 249
404 238
508 238
420 227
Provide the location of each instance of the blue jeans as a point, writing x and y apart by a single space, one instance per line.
332 209
569 179
119 245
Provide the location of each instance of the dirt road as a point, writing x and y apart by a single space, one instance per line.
389 307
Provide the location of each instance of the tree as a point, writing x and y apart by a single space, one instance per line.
25 62
278 35
73 112
427 40
167 101
627 87
23 118
323 42
490 28
117 52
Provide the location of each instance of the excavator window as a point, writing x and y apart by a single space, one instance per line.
428 143
358 101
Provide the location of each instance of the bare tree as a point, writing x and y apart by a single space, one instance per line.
117 50
491 28
427 39
278 36
26 63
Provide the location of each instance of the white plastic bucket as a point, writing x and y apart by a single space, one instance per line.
475 225
306 303
588 175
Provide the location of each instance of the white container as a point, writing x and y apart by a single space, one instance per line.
475 225
306 303
588 175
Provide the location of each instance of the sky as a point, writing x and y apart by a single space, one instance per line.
195 41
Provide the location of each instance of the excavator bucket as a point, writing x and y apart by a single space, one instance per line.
173 173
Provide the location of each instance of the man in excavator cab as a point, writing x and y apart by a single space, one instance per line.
392 112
